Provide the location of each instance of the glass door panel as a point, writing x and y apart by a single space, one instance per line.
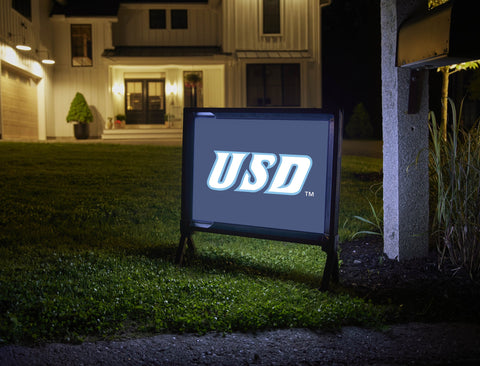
145 101
273 85
134 101
255 85
156 102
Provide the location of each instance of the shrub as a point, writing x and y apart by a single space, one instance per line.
79 110
359 125
455 165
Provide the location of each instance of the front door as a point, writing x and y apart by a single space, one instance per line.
145 101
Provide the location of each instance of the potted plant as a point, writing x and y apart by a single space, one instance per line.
120 121
169 118
81 116
192 81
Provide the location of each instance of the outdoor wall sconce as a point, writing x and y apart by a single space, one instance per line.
47 60
118 89
21 44
446 35
172 89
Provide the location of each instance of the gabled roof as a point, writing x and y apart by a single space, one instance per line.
104 8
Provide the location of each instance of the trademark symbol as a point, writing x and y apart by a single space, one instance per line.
309 194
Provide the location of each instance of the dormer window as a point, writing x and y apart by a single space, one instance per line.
81 40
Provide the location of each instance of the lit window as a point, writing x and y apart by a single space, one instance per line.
81 45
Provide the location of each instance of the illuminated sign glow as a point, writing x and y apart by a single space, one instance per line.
265 173
288 179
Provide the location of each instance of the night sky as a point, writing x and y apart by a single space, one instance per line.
351 58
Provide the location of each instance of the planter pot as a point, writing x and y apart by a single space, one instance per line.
81 131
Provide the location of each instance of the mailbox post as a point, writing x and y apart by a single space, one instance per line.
412 43
405 184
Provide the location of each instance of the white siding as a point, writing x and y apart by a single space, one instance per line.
214 87
37 34
235 25
244 32
93 85
92 81
300 31
11 29
133 28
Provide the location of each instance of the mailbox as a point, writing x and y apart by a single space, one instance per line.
446 35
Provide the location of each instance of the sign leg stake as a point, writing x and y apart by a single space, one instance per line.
331 271
185 242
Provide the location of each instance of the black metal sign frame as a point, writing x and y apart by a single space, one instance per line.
328 240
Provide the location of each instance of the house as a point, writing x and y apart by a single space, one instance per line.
147 60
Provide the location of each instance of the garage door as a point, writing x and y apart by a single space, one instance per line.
18 98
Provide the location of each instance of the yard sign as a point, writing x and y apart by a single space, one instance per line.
263 173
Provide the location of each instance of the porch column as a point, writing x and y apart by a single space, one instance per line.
405 137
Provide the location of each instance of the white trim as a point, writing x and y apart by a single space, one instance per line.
274 56
260 21
1 120
83 20
162 61
41 110
154 6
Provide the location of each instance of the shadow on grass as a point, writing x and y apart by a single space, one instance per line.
163 251
209 262
225 263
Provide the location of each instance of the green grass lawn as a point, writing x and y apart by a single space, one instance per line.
88 234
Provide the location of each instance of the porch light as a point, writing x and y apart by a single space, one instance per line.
118 89
47 60
172 88
22 44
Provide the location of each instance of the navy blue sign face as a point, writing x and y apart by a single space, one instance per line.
261 172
